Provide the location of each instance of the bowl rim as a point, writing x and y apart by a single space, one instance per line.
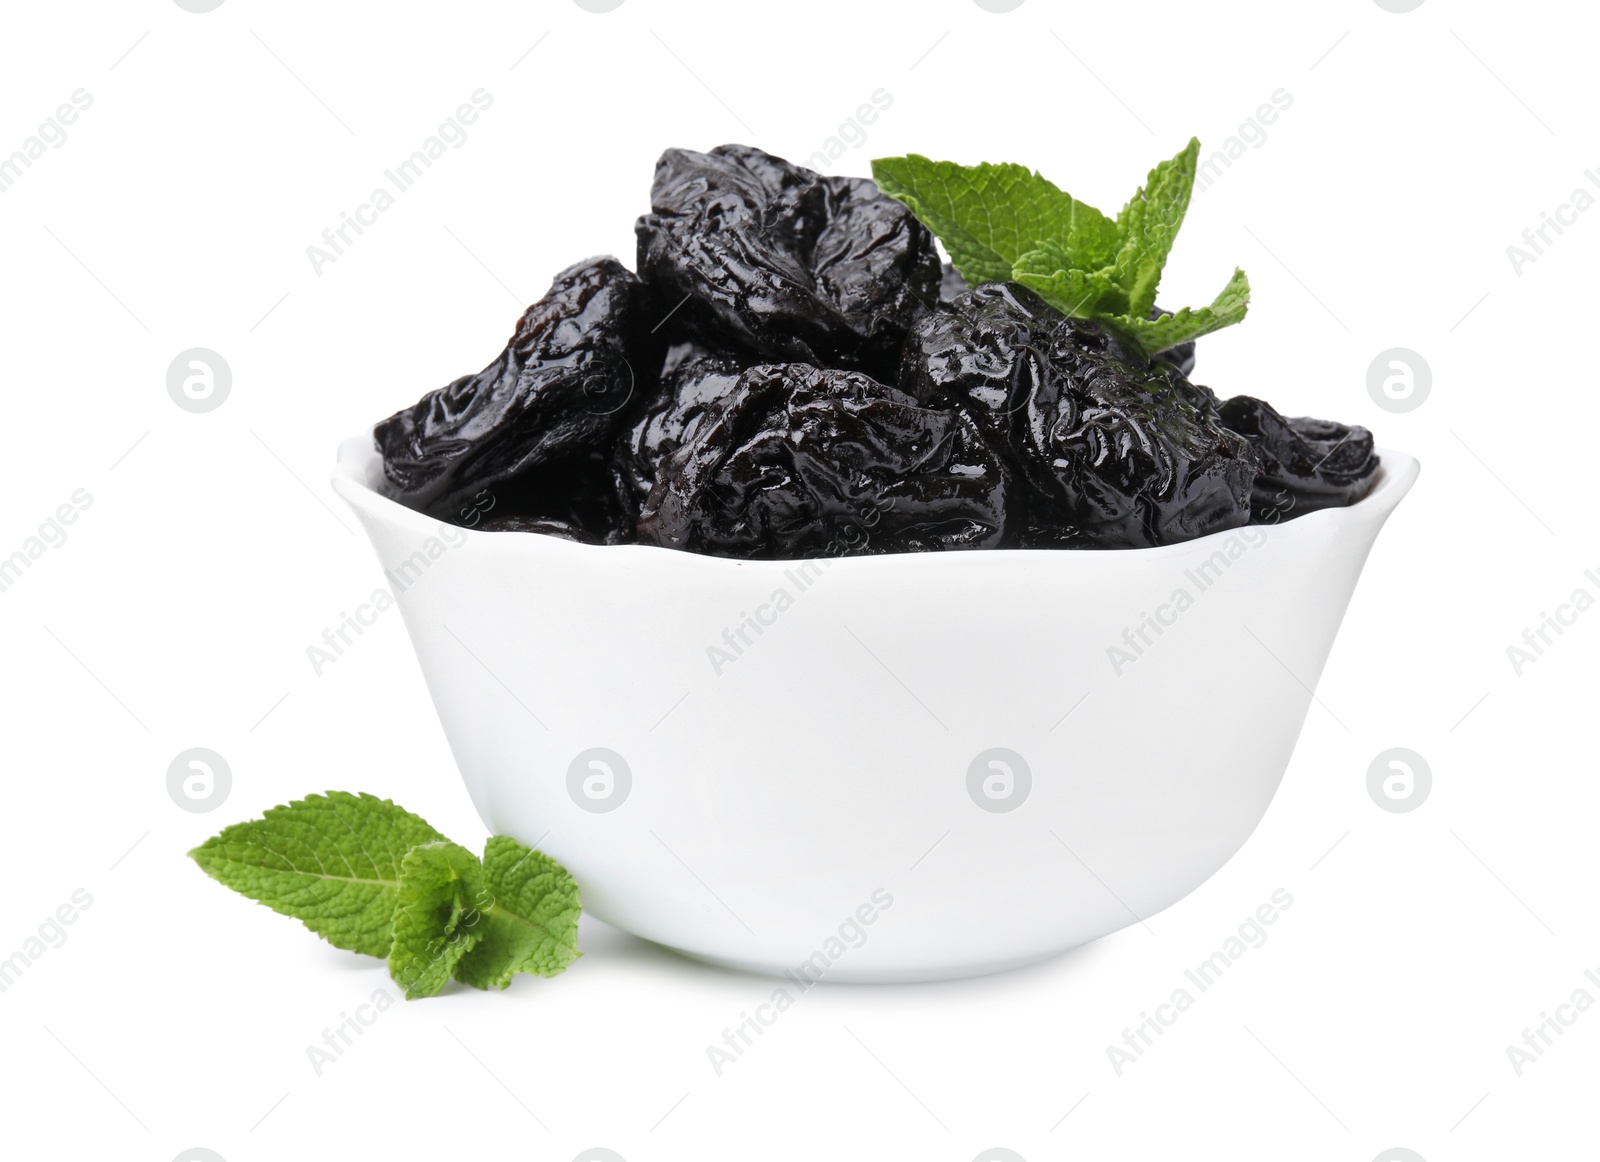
359 461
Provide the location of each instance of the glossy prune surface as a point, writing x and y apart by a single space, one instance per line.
582 492
751 251
1306 464
802 461
546 526
952 285
794 373
693 379
1117 452
562 385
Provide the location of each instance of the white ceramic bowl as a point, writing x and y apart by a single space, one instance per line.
895 768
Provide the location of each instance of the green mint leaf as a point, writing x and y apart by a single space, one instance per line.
988 216
1080 293
1154 335
438 919
1148 225
1006 222
531 925
331 861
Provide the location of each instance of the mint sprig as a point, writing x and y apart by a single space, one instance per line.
987 216
1153 335
531 923
438 918
331 861
1149 224
1006 222
371 877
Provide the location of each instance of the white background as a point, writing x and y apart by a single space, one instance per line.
177 214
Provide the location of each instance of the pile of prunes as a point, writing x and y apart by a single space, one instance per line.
794 373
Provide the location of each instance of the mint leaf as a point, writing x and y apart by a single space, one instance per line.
1006 222
331 861
1154 335
370 877
1149 223
438 919
988 216
1080 293
532 923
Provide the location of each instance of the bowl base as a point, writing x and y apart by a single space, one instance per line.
845 974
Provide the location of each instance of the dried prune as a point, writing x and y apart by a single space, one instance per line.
951 285
693 378
1306 464
1118 452
829 386
545 526
581 493
746 249
802 461
561 385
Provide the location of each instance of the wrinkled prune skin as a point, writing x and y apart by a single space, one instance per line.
746 249
1118 451
951 286
801 461
1306 464
834 389
693 379
545 526
581 493
561 385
